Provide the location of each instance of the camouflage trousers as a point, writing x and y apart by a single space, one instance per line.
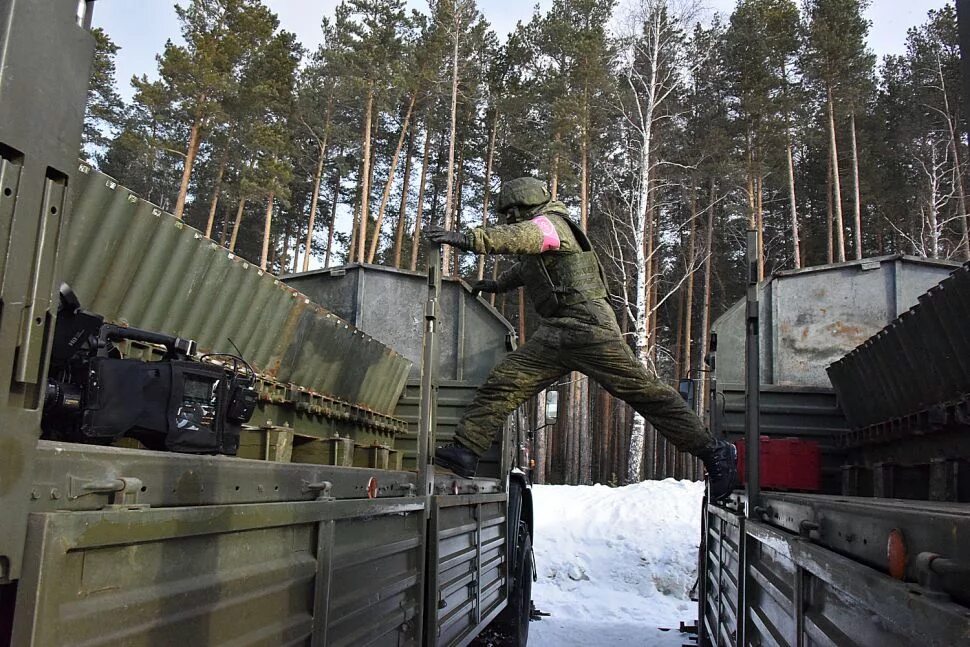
607 359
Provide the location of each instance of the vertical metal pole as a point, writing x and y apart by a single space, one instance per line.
427 407
752 440
752 374
427 420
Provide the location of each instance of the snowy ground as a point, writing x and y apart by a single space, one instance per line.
615 565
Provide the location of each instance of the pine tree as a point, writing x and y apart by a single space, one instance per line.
837 61
104 110
200 75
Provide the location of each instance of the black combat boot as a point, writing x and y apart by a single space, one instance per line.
458 459
721 461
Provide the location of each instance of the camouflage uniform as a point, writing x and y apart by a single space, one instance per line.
578 332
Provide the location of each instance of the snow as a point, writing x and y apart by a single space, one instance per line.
615 565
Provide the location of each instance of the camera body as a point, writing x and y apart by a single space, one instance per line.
178 403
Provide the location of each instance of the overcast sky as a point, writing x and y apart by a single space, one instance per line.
141 27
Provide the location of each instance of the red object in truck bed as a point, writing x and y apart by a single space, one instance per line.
787 463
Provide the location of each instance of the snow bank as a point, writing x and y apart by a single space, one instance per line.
615 564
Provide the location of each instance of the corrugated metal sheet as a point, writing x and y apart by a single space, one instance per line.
814 316
133 263
918 363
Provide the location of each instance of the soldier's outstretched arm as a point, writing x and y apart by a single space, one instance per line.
530 237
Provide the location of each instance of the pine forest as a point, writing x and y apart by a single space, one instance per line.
668 131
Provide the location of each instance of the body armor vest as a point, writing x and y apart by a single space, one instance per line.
555 281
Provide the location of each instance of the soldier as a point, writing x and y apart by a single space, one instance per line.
578 332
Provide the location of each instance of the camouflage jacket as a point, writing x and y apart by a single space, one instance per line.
546 232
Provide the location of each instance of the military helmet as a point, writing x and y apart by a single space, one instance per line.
522 193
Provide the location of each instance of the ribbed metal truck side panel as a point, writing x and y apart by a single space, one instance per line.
765 585
131 262
347 572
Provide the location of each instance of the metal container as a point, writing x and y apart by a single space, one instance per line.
914 373
474 337
814 316
388 304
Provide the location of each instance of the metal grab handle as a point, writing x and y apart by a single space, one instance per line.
175 345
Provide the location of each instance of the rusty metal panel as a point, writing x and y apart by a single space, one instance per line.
261 574
388 304
468 574
812 317
135 264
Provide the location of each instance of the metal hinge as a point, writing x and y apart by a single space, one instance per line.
124 491
322 488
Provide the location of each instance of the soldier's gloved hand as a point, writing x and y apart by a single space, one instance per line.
486 285
444 237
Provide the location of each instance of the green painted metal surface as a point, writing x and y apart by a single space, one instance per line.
311 572
135 264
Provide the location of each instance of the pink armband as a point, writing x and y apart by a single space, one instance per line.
550 239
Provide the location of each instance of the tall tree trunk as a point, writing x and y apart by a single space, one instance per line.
689 298
836 185
317 175
314 198
225 227
584 183
238 223
679 344
419 211
195 138
284 253
830 215
495 274
214 204
539 453
365 175
554 172
266 230
402 211
521 316
706 308
295 259
333 218
450 186
386 195
797 252
487 189
459 189
760 214
354 231
857 194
